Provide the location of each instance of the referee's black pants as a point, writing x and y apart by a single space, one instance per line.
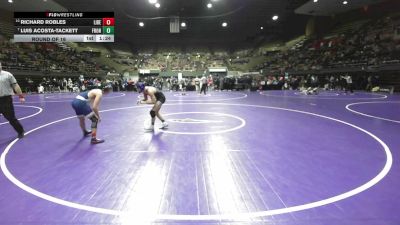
7 109
349 87
203 88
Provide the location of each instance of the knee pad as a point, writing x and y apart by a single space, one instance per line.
94 122
152 113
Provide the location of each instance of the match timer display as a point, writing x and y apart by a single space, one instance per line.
64 26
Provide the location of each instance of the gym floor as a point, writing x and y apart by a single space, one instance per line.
274 157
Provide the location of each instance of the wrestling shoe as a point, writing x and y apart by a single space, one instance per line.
150 128
164 125
96 141
21 135
86 133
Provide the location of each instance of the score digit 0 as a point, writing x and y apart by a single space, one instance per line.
108 21
108 30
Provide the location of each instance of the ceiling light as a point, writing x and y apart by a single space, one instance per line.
10 1
345 2
315 0
275 17
183 24
262 28
141 24
157 5
209 5
152 1
224 24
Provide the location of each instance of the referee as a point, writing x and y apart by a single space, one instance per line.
8 85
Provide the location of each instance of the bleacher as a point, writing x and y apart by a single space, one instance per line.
6 25
336 52
347 27
6 29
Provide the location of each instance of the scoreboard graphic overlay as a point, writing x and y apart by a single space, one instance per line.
64 26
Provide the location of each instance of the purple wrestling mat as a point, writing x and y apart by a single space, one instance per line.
275 157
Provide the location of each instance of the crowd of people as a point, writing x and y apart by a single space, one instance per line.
179 61
373 44
211 82
327 82
200 84
259 82
69 84
47 57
